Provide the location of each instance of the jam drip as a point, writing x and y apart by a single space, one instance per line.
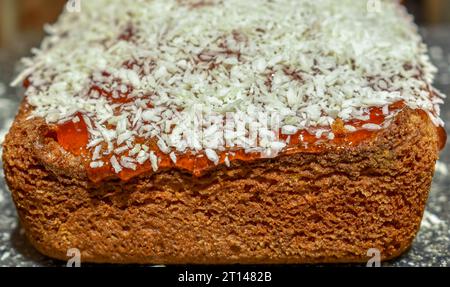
73 136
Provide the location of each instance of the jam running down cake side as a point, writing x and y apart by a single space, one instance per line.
225 132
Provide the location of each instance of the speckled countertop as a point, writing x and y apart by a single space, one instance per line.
430 248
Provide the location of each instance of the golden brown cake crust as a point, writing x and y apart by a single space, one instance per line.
304 208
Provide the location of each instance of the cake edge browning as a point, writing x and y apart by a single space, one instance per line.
329 207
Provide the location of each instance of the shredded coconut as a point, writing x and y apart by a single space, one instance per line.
96 164
154 161
227 161
212 156
173 157
115 164
150 65
371 127
350 128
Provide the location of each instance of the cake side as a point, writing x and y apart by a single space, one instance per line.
303 208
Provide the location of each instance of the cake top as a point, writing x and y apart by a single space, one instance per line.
200 76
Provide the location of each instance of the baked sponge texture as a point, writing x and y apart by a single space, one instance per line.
325 207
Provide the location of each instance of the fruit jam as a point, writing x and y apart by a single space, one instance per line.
73 137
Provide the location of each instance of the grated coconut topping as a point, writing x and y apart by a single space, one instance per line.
162 61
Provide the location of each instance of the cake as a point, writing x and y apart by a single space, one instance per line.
219 132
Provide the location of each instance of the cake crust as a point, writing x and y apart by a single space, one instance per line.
326 207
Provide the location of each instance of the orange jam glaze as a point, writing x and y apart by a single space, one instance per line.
73 137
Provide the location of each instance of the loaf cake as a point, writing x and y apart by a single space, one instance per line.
225 131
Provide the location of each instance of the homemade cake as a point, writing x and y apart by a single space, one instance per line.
279 131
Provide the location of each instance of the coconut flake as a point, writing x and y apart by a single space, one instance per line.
371 127
227 161
115 164
289 130
173 157
96 164
154 161
350 128
212 156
